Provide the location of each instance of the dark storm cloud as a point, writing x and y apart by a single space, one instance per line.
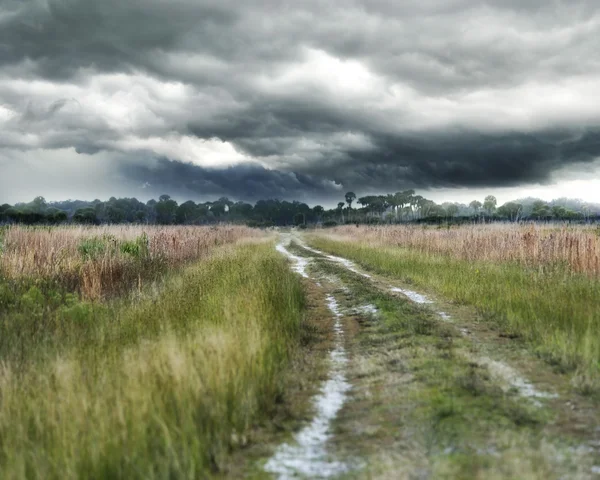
370 94
241 182
467 160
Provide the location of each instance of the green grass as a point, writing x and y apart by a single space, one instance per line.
165 386
555 311
420 396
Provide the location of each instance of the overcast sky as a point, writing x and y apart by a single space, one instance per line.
299 100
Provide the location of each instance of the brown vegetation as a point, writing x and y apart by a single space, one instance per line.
530 245
101 261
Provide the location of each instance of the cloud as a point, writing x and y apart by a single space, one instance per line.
291 98
241 182
64 173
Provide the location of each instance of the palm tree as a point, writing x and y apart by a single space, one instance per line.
318 212
350 197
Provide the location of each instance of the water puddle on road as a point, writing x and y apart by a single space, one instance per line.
512 379
307 456
300 263
414 296
345 262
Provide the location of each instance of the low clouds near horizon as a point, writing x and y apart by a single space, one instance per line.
299 101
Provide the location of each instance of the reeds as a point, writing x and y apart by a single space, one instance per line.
532 245
98 262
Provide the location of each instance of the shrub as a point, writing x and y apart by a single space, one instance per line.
91 248
137 248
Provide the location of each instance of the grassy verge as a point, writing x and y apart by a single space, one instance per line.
165 387
557 312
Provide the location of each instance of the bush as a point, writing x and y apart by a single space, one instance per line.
137 248
91 248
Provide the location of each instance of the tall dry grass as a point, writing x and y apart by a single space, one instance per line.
58 255
163 387
530 245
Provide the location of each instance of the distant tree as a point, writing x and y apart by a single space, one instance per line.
368 203
241 210
299 219
415 204
218 209
54 215
166 209
39 204
3 209
225 201
475 206
85 215
114 214
318 211
392 201
540 210
428 208
185 213
340 209
489 204
511 210
140 216
452 210
350 197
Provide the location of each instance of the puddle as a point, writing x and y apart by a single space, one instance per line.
349 265
514 380
307 456
300 263
414 296
445 316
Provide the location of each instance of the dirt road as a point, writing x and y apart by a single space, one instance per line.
419 388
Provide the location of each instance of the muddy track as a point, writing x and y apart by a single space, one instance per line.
420 388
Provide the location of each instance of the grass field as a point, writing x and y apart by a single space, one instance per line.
197 352
162 383
539 283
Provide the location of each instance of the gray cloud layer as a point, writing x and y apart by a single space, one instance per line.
273 98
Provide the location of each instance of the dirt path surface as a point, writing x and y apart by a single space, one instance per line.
419 388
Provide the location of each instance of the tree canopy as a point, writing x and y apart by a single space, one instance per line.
402 206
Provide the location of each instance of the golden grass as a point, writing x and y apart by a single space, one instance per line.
56 255
531 245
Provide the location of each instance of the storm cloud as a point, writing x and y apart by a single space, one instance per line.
300 99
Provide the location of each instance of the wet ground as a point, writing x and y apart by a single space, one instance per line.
417 387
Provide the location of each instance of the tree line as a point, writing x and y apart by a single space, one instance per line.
403 206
